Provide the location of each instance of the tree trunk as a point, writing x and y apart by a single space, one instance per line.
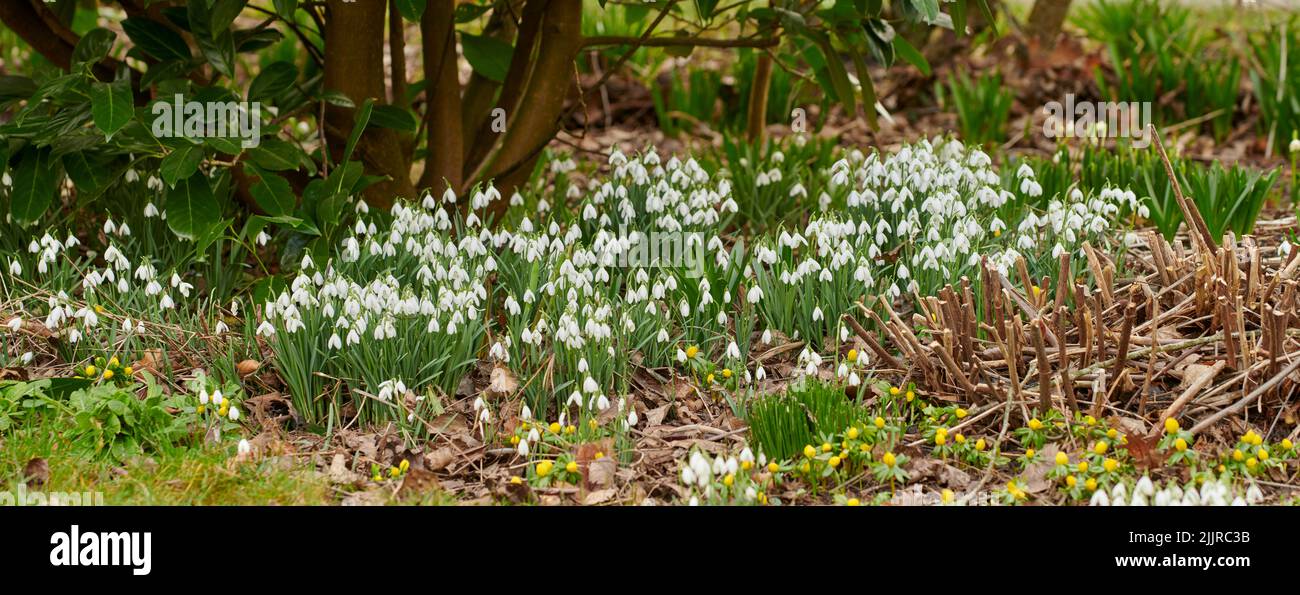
535 122
445 162
354 58
1046 19
756 118
521 62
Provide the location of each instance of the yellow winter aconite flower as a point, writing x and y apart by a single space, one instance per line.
894 390
1180 444
709 379
544 468
960 413
959 438
910 395
1071 480
773 467
1251 463
947 496
516 480
1110 465
1286 443
726 372
1090 420
90 370
128 370
514 440
805 467
1091 484
853 355
113 362
852 433
1035 425
404 466
591 423
569 429
1062 459
1171 426
200 409
554 427
809 451
394 472
1112 433
826 447
1029 453
108 374
572 467
889 459
940 439
852 502
599 455
834 462
1262 454
1083 466
1100 447
692 351
1238 456
980 445
880 422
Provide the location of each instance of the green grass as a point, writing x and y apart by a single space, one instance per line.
203 475
783 424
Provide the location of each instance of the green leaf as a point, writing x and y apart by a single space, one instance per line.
838 75
396 118
273 80
16 87
276 155
958 12
868 88
285 8
93 46
192 210
908 52
411 10
92 173
181 163
929 9
706 7
273 193
220 52
223 13
489 56
337 98
363 120
34 185
156 39
111 105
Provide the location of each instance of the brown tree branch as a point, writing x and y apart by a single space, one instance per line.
444 164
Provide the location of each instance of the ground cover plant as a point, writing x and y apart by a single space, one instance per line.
705 254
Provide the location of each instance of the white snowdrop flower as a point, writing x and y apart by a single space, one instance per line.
166 303
15 268
150 211
754 295
1253 494
26 358
109 227
221 328
602 403
1099 498
1139 499
15 324
1162 498
854 380
335 342
234 414
766 339
265 329
817 314
523 448
203 396
1238 501
244 447
1191 497
525 412
589 385
575 399
688 475
1283 249
681 356
1144 487
262 238
582 366
1118 495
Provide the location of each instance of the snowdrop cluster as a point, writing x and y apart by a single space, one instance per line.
722 479
401 307
1145 492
